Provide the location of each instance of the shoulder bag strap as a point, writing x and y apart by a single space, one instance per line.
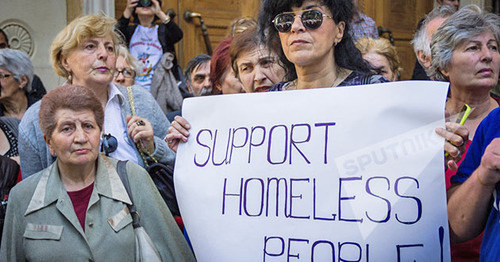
121 169
130 96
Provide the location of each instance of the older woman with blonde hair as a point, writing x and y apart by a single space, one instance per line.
241 24
84 53
126 67
78 208
381 55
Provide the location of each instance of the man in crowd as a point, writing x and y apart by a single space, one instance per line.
422 39
362 25
419 70
197 75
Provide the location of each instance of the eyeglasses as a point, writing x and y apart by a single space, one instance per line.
127 73
109 144
311 19
2 76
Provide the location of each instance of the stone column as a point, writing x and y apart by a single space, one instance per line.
98 6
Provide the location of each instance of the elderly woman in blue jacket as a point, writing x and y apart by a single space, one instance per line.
77 208
84 53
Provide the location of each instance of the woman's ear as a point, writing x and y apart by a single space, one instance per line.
23 81
65 64
48 141
445 73
341 30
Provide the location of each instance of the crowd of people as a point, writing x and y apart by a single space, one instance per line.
122 100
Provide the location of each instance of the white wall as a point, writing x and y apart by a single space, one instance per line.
43 19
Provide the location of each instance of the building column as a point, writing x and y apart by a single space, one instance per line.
95 7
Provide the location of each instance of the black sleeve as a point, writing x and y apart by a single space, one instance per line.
174 33
37 88
124 29
419 72
169 35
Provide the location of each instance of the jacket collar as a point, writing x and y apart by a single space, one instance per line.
114 91
50 188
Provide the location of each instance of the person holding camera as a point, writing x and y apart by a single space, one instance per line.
147 40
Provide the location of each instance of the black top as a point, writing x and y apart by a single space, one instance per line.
9 126
419 72
355 78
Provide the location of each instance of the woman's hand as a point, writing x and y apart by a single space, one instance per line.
489 171
141 132
155 7
177 132
456 137
131 4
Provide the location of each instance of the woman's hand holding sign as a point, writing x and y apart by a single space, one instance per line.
177 132
456 136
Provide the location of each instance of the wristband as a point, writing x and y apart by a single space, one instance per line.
166 20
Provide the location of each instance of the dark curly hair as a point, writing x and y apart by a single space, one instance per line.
346 54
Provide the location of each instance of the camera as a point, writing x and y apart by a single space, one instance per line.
144 3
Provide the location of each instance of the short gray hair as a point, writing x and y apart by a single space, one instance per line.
466 23
19 64
421 41
194 63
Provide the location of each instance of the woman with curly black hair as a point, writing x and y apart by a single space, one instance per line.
312 41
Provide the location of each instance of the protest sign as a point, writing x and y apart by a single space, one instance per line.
330 174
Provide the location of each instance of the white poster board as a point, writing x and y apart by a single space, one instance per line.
330 174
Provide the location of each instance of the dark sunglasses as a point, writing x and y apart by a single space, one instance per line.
311 19
109 144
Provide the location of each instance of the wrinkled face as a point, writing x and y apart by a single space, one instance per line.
311 47
75 140
124 75
9 86
229 83
380 64
92 63
475 63
200 80
258 70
